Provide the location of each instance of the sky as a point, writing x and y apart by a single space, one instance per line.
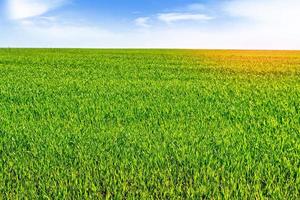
200 24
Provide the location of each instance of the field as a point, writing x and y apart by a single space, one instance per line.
149 124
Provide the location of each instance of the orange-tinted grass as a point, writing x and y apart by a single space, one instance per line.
251 60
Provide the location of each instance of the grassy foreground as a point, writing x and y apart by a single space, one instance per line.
149 124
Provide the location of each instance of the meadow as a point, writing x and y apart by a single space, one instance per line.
149 124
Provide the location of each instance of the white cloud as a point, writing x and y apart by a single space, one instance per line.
276 21
23 9
142 22
175 17
275 15
270 11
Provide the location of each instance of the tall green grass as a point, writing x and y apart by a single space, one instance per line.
149 124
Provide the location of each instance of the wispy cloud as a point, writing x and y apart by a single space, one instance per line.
23 9
195 12
142 22
175 17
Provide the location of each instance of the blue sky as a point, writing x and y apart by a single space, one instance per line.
218 24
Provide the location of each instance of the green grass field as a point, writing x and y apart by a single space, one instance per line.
149 124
